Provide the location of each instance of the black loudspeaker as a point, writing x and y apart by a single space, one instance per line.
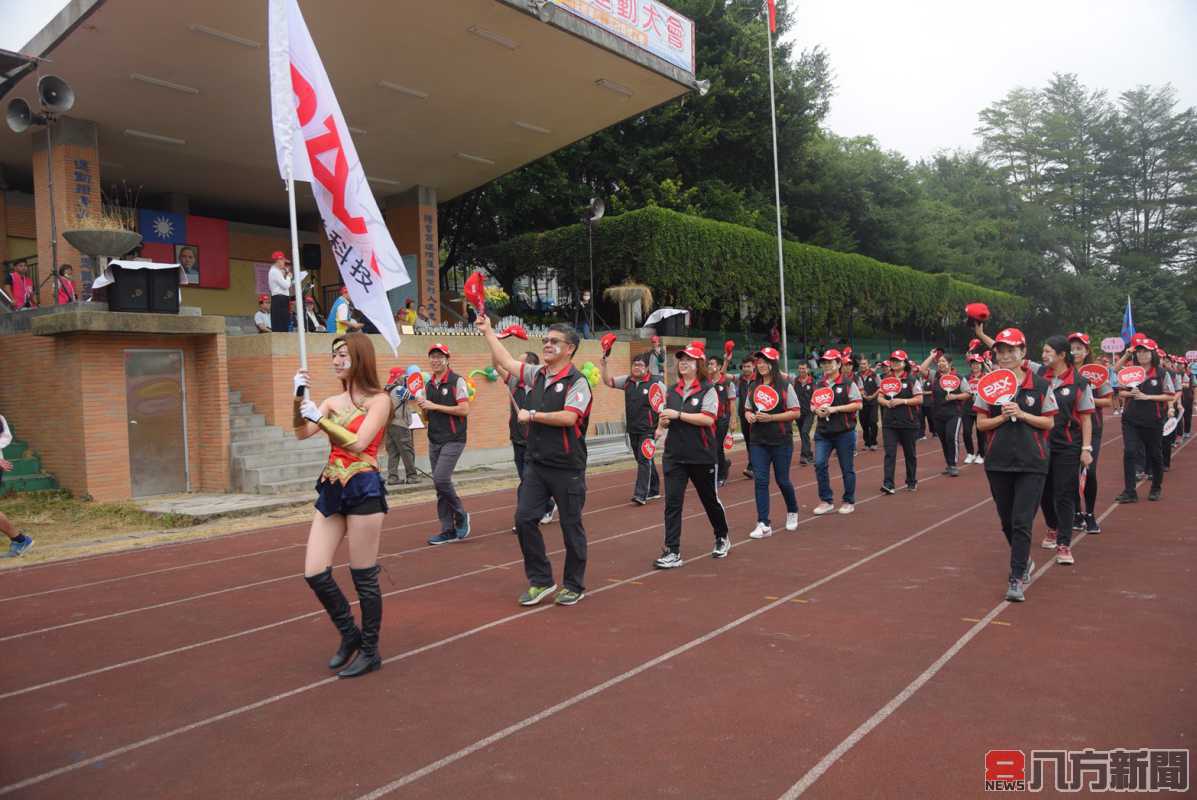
309 256
146 290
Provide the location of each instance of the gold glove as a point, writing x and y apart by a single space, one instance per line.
338 435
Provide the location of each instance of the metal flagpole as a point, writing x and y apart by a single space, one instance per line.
300 315
781 263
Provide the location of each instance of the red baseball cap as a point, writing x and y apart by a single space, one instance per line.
831 355
1011 336
695 350
344 291
846 357
655 340
396 372
1146 344
1138 339
310 300
439 348
1083 338
263 298
974 357
899 355
977 311
277 254
768 353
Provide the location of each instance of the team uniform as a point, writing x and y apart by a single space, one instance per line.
742 388
773 448
974 442
518 434
641 423
726 389
947 415
869 384
690 457
446 443
837 432
1087 520
804 389
1016 463
555 470
1142 425
901 425
1074 399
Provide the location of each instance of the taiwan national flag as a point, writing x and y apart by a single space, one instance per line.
161 227
200 244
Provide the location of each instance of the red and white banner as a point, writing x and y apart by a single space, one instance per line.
313 144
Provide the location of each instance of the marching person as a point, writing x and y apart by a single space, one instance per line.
518 431
1186 398
558 415
18 542
1173 411
726 388
641 422
351 500
279 282
747 376
836 430
1016 462
870 388
1103 398
445 401
1071 445
901 421
690 418
772 439
1143 417
947 406
804 385
399 441
974 442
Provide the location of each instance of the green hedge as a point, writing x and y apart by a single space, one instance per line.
702 264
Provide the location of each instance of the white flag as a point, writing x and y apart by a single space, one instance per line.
313 144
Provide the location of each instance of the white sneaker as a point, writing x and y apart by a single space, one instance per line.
792 521
547 518
760 531
979 460
823 508
847 508
968 459
722 547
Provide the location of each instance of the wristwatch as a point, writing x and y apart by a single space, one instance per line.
532 415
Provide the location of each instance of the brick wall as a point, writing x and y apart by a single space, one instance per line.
261 368
69 403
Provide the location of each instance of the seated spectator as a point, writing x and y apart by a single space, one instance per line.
262 318
311 318
67 291
423 322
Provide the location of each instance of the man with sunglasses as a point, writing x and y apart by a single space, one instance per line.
557 415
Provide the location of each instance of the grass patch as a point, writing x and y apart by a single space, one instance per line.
57 517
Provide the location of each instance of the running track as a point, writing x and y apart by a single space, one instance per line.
861 656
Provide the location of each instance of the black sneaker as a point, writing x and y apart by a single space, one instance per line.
1154 494
1092 526
1127 497
1078 521
885 487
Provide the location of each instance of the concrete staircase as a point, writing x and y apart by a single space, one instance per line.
26 474
267 459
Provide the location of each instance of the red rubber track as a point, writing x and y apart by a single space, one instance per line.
731 678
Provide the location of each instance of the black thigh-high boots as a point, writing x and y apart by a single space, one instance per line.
329 593
368 594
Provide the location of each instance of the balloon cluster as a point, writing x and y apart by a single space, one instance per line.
592 373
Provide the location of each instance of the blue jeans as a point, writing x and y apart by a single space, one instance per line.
779 457
843 444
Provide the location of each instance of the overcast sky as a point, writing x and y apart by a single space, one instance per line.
915 73
20 20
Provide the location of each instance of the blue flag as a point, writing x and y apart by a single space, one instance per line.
1128 323
162 227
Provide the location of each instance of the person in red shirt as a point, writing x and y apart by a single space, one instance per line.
20 286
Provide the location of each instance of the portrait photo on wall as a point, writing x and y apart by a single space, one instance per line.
188 257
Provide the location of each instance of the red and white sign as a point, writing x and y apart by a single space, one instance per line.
949 383
415 383
998 387
728 441
823 396
891 386
1096 374
1131 377
1113 344
648 24
313 144
765 398
656 397
648 448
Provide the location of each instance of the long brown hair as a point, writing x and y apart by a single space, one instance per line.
363 370
700 368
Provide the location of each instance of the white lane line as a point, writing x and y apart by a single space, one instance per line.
528 722
234 712
266 581
309 615
883 713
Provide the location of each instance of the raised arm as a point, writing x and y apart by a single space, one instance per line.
498 353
